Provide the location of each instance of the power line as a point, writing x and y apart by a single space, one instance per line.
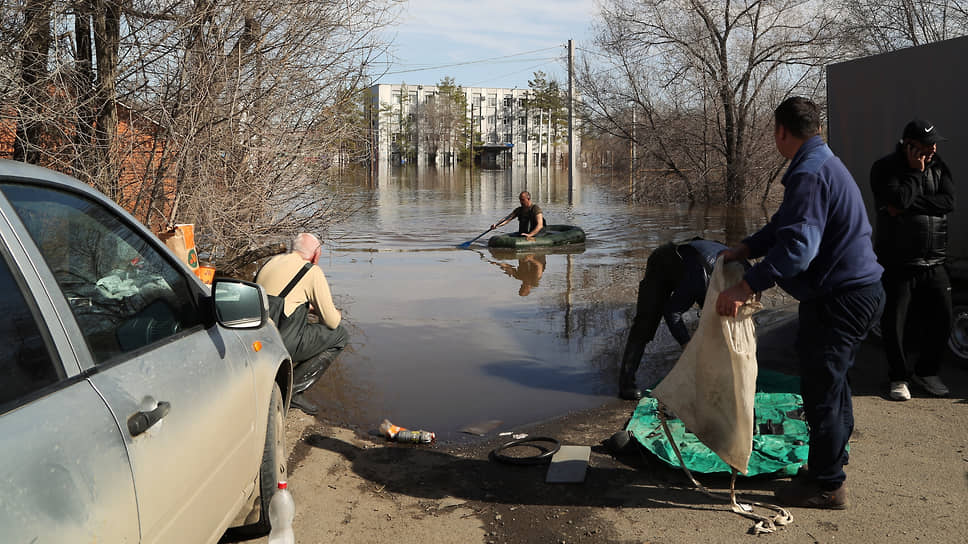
492 59
528 69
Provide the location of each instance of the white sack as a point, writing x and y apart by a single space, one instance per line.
712 386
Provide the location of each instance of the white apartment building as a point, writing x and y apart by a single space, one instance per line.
502 117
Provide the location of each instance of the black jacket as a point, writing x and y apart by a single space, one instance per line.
918 234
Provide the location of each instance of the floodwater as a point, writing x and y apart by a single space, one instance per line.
444 337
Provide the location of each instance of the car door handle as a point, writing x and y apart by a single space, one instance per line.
140 422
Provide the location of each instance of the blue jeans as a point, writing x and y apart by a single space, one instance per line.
832 328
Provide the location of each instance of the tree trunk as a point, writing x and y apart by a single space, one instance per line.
33 75
84 67
107 32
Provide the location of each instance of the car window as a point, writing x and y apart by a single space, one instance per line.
25 359
123 293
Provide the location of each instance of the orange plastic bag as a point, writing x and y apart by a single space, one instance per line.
181 241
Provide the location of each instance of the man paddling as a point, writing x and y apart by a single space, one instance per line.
530 219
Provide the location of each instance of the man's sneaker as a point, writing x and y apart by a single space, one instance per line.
899 391
808 494
931 384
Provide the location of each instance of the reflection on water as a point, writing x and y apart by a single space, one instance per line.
529 270
445 337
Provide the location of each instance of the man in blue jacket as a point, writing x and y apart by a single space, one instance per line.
676 278
818 248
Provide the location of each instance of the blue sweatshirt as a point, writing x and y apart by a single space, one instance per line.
819 241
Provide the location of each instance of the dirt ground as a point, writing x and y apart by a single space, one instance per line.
908 481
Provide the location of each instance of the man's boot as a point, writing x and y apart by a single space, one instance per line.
626 378
307 373
300 401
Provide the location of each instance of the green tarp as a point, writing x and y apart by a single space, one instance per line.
779 432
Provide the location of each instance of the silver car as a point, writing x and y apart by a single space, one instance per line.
136 403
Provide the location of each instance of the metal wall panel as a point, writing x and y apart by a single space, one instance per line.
870 100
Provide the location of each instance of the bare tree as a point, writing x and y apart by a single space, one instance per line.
879 26
548 96
703 77
442 120
235 116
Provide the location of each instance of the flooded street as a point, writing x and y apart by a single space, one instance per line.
444 337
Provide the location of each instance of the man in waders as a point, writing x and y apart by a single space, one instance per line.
312 345
676 278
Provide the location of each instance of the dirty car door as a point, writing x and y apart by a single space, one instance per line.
181 392
64 474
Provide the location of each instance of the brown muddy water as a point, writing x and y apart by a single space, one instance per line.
444 337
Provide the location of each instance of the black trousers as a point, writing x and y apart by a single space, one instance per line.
329 343
831 330
918 302
663 271
312 346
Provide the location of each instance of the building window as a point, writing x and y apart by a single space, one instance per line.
478 99
491 120
508 101
523 121
508 137
492 100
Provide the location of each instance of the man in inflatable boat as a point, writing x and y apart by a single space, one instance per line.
531 221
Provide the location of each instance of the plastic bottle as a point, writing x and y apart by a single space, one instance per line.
281 511
403 434
390 430
416 437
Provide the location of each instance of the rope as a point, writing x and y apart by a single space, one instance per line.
764 524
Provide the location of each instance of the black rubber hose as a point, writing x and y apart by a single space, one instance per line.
544 456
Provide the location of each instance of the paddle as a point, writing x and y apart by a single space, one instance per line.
468 243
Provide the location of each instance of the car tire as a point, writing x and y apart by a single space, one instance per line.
273 470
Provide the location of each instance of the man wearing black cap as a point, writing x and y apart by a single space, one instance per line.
913 193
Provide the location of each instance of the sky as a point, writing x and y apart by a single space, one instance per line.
515 38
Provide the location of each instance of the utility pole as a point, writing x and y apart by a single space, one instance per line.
571 117
548 158
540 143
632 157
416 126
470 138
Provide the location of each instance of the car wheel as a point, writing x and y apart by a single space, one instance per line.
272 470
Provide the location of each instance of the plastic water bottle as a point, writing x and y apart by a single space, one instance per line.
416 437
281 511
403 434
389 430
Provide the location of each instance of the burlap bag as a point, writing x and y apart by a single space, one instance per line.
712 386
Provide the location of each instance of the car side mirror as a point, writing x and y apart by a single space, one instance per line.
239 304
